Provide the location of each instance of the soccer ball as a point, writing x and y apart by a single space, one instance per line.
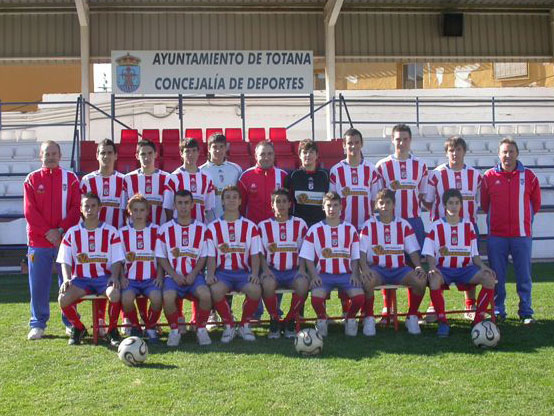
308 342
132 351
485 335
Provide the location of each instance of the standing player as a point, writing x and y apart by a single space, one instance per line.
282 238
182 251
91 256
234 264
384 242
332 252
141 276
455 174
452 255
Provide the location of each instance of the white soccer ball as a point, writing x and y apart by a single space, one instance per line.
485 335
308 342
132 351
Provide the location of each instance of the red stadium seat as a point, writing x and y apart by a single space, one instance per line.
211 131
88 150
287 163
129 136
284 148
233 135
256 134
194 134
126 165
331 149
88 166
239 148
126 150
328 163
277 134
170 150
202 159
244 161
172 135
170 164
151 134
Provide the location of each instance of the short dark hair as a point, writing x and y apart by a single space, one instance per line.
352 132
331 196
230 188
217 138
386 193
91 195
47 143
451 193
402 127
183 193
307 145
281 192
264 143
146 142
455 141
188 143
509 140
106 142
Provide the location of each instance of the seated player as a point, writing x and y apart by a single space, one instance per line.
141 276
181 251
384 240
332 252
91 257
451 251
234 264
282 238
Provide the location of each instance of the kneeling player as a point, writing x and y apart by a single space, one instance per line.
282 238
234 264
335 246
141 277
91 256
181 251
383 241
451 251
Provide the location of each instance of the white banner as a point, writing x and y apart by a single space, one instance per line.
212 72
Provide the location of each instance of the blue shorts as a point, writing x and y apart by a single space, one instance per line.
233 279
335 281
141 287
98 285
285 278
182 291
458 274
419 229
392 276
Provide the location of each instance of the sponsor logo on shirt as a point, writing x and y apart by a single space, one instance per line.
335 254
85 258
231 248
444 252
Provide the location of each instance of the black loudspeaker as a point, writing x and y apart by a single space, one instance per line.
452 24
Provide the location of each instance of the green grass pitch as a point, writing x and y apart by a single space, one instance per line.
392 373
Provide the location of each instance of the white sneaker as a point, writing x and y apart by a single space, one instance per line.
214 317
369 326
228 334
68 331
203 337
182 325
431 316
321 326
246 333
351 327
173 338
35 333
102 332
126 329
412 325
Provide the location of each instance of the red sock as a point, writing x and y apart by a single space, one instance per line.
193 311
142 304
113 313
132 316
271 305
438 302
223 309
386 302
319 307
101 308
356 303
179 303
483 301
248 308
202 316
368 306
414 300
153 317
470 303
72 316
344 301
173 320
295 304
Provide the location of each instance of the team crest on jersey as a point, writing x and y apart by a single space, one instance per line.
91 243
378 250
327 252
106 190
128 73
40 189
454 237
64 187
521 181
311 184
140 243
253 188
272 247
185 239
354 177
192 185
130 256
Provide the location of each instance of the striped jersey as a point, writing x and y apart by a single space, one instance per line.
201 186
152 188
91 253
110 190
331 248
281 242
408 178
467 181
228 173
357 187
233 243
182 245
140 251
386 244
451 245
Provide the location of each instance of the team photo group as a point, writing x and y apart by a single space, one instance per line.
149 239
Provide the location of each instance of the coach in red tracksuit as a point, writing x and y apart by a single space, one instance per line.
511 196
51 206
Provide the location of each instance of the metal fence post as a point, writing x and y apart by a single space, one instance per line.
340 114
181 132
113 116
312 115
0 114
493 108
334 118
243 116
417 111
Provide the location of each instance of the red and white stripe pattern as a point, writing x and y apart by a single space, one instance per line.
182 245
385 245
140 251
152 188
408 178
331 248
281 242
110 190
201 186
467 181
91 253
233 243
357 186
451 245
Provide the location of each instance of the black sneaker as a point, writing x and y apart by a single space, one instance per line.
500 317
77 336
290 329
113 337
527 320
136 332
274 332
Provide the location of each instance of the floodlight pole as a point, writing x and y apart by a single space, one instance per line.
83 15
331 14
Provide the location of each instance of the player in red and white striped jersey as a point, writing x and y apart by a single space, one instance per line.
233 263
189 177
282 238
451 251
384 242
332 252
91 256
141 276
181 251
